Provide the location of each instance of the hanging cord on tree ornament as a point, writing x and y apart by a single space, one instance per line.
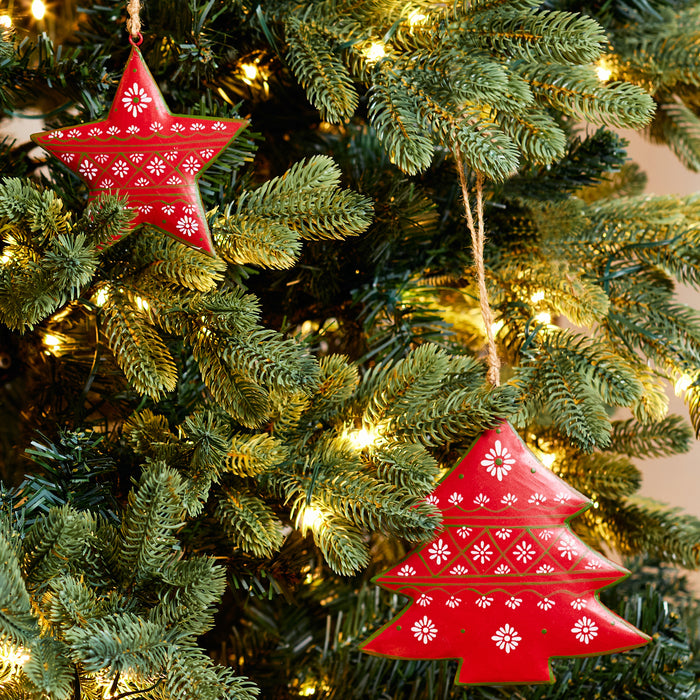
133 22
478 236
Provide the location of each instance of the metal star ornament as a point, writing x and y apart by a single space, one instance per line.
145 153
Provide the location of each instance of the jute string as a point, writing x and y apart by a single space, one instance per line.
133 23
478 236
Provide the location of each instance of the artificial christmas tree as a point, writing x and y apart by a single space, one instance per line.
206 458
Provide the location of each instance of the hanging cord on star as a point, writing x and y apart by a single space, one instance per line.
133 22
478 236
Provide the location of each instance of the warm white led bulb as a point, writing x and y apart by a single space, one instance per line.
38 9
5 21
375 51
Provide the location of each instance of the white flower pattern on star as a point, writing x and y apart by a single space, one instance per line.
407 570
135 100
464 532
524 552
439 551
424 600
191 165
168 209
484 601
459 570
514 602
503 533
120 168
453 602
482 552
156 166
545 604
537 499
133 129
545 569
498 461
578 604
509 499
481 500
187 226
502 569
87 169
455 498
567 548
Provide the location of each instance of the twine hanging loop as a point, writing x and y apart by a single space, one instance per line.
478 236
133 21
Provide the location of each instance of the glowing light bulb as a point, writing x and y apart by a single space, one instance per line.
5 21
537 296
250 72
38 9
544 317
14 657
416 17
548 459
682 384
363 437
52 342
311 518
604 71
6 257
496 326
307 688
101 297
374 52
142 304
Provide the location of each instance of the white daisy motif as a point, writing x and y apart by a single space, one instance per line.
424 600
196 126
545 569
439 551
503 533
191 165
407 570
453 602
585 630
107 183
87 169
95 131
498 461
593 564
168 209
432 499
133 129
177 127
218 126
424 630
112 130
102 158
68 157
514 602
545 535
578 604
120 168
73 134
484 601
482 552
55 134
207 153
156 166
524 552
481 500
156 126
561 498
456 498
509 499
545 604
187 226
145 208
174 180
136 157
189 208
172 155
142 182
537 499
502 569
567 548
459 570
506 638
464 532
135 100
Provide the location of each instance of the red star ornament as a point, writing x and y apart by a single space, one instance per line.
147 154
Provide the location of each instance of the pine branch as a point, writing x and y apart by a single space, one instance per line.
17 621
661 438
600 475
49 668
249 522
153 513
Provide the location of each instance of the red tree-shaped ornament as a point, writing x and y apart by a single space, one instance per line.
505 585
